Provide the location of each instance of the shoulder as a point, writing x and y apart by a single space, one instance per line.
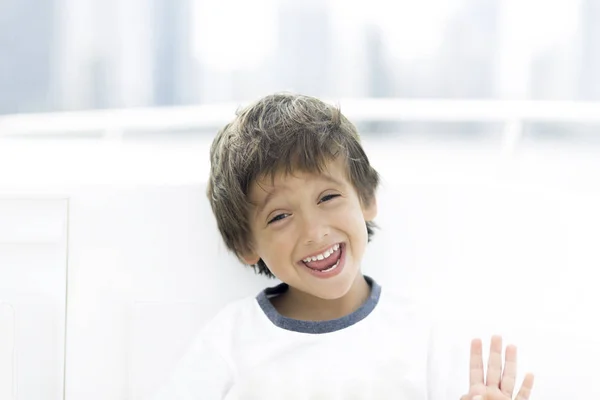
409 310
206 368
446 333
230 316
443 327
442 338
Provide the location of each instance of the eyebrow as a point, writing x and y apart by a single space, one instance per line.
264 203
331 179
271 194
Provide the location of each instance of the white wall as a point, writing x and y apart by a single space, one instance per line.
510 244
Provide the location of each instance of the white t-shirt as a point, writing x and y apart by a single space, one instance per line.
387 349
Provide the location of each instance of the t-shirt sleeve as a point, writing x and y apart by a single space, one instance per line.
448 361
201 374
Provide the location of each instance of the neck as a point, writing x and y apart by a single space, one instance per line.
299 305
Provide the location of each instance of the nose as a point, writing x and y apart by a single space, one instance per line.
314 228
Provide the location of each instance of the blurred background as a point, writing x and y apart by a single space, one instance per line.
482 116
89 54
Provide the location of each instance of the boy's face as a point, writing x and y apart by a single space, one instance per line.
310 229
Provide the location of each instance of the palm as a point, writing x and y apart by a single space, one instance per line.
488 393
499 383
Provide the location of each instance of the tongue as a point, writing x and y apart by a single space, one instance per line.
325 263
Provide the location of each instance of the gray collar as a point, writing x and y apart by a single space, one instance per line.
333 325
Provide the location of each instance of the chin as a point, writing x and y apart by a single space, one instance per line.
336 288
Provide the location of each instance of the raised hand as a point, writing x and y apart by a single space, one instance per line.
499 384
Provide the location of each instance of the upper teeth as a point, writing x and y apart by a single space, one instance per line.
323 255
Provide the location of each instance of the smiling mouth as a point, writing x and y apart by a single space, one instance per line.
327 269
326 261
326 254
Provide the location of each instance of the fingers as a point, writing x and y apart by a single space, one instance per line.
494 372
526 388
476 363
509 376
505 380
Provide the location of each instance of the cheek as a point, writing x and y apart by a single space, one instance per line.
350 214
353 222
276 245
277 254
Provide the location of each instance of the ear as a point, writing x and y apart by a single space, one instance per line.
250 258
370 209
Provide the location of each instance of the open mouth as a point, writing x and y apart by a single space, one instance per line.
327 261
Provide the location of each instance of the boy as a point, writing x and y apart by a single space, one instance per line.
294 196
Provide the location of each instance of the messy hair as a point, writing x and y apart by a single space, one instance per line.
280 133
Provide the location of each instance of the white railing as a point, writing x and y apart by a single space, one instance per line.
111 124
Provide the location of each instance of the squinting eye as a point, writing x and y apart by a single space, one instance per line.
278 217
328 197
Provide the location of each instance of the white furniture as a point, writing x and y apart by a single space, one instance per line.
33 279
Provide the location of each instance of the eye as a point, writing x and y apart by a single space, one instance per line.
328 197
278 217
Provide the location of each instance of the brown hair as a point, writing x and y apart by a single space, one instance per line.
279 133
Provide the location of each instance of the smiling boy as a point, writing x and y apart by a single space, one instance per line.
310 230
294 196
